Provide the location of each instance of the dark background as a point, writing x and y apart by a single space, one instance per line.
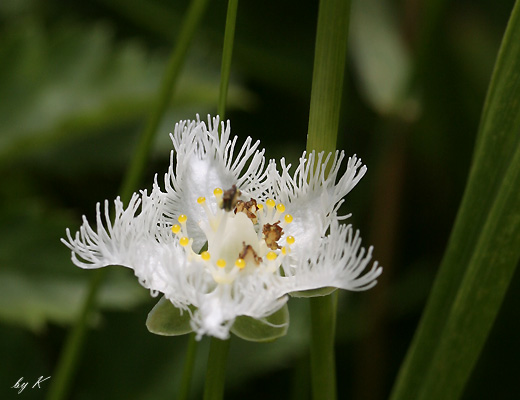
77 80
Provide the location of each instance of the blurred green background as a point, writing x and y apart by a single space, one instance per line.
77 80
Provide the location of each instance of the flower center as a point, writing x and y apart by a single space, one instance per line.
242 236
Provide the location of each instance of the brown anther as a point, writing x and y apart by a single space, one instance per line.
248 254
230 198
272 233
249 208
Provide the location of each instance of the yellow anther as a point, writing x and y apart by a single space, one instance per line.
288 218
205 255
290 239
184 241
201 200
271 256
218 192
280 207
284 250
183 218
221 263
176 228
260 206
240 263
270 203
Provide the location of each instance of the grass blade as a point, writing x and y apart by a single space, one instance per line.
483 224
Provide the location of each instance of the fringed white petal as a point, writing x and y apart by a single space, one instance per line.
218 310
310 197
130 239
320 253
309 183
111 242
204 162
339 262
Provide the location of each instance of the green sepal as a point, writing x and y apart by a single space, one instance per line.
167 320
324 291
262 330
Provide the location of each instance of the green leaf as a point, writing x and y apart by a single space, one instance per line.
65 81
480 296
68 79
314 292
167 320
483 250
38 282
262 330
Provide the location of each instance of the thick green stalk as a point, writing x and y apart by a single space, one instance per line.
464 268
187 372
327 87
69 357
323 363
216 373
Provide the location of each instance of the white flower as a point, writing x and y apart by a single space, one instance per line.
268 232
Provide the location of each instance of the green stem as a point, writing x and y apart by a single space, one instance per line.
327 87
187 373
67 363
216 373
323 366
227 53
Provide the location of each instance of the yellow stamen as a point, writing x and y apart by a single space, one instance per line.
280 207
218 192
288 218
271 256
260 206
240 263
284 250
184 241
205 255
270 203
221 263
290 239
176 228
201 200
183 218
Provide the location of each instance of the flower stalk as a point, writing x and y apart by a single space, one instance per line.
323 325
187 372
216 373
